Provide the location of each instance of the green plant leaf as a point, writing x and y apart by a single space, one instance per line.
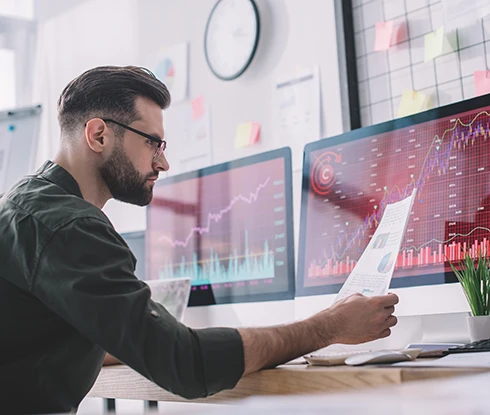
474 277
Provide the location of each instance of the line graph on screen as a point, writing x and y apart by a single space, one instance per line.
449 165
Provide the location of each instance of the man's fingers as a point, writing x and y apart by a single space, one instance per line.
391 321
390 310
388 299
385 333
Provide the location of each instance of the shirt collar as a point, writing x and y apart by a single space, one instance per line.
58 175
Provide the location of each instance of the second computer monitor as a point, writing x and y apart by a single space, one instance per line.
348 180
228 227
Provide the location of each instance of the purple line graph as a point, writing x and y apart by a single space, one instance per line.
216 217
457 138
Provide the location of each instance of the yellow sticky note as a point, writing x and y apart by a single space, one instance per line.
436 44
242 135
412 103
247 134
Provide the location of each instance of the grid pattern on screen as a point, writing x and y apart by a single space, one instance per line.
384 75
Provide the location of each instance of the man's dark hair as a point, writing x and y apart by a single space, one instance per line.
108 92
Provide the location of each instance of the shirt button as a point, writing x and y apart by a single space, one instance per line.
154 313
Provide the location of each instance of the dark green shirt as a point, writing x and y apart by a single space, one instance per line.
68 294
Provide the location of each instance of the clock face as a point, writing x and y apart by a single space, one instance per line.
231 38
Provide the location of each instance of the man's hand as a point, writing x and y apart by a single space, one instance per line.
357 319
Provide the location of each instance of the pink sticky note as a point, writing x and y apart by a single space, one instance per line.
255 133
197 105
482 82
384 33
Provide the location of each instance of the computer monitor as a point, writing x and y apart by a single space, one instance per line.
137 243
350 178
229 228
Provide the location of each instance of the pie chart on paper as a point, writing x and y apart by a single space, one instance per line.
165 71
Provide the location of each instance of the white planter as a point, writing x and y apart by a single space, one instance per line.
478 327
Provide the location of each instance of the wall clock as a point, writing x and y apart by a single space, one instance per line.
231 37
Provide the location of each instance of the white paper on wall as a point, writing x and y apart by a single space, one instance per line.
189 140
170 65
297 111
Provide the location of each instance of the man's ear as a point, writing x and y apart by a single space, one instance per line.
96 135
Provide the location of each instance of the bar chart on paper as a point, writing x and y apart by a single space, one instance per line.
445 160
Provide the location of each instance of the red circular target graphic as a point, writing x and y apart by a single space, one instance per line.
322 175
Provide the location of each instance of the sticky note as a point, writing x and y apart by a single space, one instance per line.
399 33
436 44
482 82
247 134
412 103
384 34
197 106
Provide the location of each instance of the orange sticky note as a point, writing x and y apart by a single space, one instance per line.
384 34
197 106
412 102
247 134
482 82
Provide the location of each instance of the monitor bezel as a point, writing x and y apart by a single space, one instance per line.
200 298
372 130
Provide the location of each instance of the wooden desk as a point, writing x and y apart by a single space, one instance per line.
123 383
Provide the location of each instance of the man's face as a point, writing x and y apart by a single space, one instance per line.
130 170
124 181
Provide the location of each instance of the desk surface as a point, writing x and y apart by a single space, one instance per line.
124 383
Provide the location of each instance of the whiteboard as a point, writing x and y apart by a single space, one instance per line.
384 75
19 136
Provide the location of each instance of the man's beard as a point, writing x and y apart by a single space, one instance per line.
123 181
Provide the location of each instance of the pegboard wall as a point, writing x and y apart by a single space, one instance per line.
383 75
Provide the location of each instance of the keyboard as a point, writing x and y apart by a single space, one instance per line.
338 358
476 346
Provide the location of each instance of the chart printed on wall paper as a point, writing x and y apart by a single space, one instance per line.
297 111
171 67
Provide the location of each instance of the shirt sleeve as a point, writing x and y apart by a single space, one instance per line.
85 275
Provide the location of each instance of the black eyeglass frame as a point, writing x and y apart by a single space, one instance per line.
160 143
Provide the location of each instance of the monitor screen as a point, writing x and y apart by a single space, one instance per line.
228 227
349 179
136 242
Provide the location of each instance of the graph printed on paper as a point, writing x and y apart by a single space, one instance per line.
350 185
224 229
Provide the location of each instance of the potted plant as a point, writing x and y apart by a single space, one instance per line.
474 277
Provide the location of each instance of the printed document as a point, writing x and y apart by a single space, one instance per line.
297 111
372 273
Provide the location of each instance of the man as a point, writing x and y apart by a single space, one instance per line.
67 289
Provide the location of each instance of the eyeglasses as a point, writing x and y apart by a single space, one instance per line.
162 144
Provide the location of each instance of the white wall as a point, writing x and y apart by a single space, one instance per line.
293 34
70 41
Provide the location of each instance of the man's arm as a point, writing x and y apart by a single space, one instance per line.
356 319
